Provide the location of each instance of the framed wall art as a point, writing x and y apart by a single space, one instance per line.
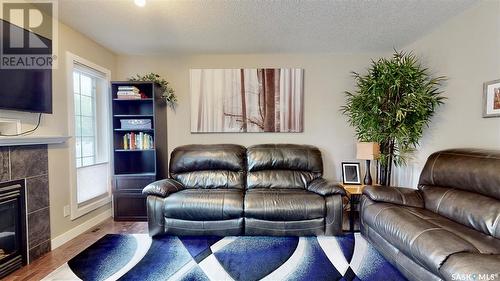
491 99
247 100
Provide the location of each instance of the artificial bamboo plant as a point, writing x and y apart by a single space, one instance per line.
392 104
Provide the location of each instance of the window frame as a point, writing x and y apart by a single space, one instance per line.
79 209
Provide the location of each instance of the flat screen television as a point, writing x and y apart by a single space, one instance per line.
25 89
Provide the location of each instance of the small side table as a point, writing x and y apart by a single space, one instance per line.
354 193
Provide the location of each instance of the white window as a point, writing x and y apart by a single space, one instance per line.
88 122
84 89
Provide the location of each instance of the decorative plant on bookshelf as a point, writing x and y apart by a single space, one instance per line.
392 104
168 93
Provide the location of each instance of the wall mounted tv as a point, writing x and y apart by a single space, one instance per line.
25 89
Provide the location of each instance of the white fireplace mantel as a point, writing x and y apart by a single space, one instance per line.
32 140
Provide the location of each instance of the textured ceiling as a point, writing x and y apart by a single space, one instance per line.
256 26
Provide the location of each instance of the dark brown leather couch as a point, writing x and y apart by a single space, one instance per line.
447 229
272 189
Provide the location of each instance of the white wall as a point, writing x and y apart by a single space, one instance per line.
326 77
466 49
57 124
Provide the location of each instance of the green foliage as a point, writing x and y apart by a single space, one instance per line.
167 92
392 104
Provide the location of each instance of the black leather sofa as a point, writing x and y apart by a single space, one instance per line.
447 229
271 189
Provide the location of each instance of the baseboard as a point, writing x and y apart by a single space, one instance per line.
74 232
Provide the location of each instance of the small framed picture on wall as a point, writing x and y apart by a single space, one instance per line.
491 99
350 173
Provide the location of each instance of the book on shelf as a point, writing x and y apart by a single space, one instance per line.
128 93
132 141
129 97
122 95
133 89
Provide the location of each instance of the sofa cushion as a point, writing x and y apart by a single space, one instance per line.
484 243
428 243
279 179
283 166
212 179
472 209
283 204
209 166
473 170
204 204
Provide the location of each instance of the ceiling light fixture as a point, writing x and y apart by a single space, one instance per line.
140 3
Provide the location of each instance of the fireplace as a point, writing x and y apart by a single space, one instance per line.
12 226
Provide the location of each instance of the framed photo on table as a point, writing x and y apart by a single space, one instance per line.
491 99
351 173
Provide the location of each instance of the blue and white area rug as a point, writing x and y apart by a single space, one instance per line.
138 257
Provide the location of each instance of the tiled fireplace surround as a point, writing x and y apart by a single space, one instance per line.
30 162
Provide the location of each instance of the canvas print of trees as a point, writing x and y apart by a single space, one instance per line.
247 100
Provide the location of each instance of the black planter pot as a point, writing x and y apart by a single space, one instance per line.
382 180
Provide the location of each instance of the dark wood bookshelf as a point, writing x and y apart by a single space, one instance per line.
133 100
134 130
140 174
133 169
132 150
133 115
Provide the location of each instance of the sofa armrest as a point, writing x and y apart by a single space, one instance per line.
396 195
163 188
464 264
325 187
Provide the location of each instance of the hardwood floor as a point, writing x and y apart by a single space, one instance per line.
52 260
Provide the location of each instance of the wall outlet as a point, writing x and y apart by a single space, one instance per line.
66 211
